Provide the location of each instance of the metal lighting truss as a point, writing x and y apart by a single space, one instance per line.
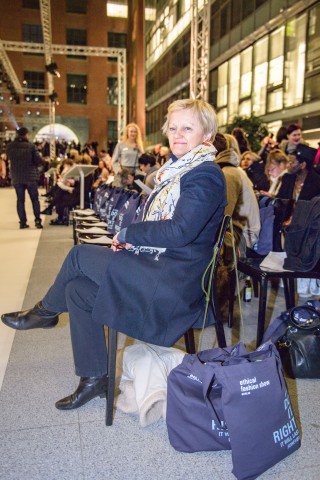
200 49
45 11
27 47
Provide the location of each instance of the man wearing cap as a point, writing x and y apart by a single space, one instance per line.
24 160
301 182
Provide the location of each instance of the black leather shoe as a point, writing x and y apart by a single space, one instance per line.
23 225
36 317
47 211
59 221
38 224
88 388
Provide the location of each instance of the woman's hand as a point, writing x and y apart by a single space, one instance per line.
116 245
267 194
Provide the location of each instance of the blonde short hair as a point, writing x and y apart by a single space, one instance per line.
253 155
201 109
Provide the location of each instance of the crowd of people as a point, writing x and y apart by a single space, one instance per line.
285 166
202 175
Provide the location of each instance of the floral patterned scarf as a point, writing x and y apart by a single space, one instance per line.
162 201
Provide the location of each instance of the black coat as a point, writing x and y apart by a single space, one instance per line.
257 176
24 160
310 189
158 300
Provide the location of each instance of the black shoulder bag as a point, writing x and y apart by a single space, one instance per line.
299 347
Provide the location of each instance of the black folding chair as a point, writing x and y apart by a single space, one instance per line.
209 280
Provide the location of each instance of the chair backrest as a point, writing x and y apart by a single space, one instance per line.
209 286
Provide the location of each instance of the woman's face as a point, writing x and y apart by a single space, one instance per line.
246 162
184 132
295 137
132 133
275 169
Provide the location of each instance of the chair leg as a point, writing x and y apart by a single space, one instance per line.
189 341
112 357
231 297
218 319
262 309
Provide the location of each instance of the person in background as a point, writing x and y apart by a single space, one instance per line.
147 165
294 138
164 155
127 152
242 203
301 182
241 138
276 167
128 181
3 171
156 151
252 164
148 285
24 160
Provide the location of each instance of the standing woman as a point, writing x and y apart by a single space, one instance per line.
148 285
127 152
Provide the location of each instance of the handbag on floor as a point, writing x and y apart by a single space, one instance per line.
246 398
296 334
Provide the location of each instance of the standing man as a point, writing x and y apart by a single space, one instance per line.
24 160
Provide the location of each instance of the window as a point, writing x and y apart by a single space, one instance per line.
117 8
246 73
32 33
236 13
276 61
313 51
76 88
117 40
76 6
224 20
213 86
222 85
112 130
234 83
76 36
34 80
295 60
275 100
112 91
247 8
31 4
260 74
312 88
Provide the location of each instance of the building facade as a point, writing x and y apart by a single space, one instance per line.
86 94
264 59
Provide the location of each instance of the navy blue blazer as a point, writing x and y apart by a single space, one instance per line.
158 300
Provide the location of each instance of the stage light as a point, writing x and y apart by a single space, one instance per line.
53 69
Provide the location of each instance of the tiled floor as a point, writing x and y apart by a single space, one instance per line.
39 442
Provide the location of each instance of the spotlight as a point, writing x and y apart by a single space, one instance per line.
53 69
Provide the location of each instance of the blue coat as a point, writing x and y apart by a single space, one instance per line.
158 300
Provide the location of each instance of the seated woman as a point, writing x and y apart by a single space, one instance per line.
276 167
252 164
65 195
148 285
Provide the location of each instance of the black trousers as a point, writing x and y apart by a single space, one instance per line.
32 189
74 291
